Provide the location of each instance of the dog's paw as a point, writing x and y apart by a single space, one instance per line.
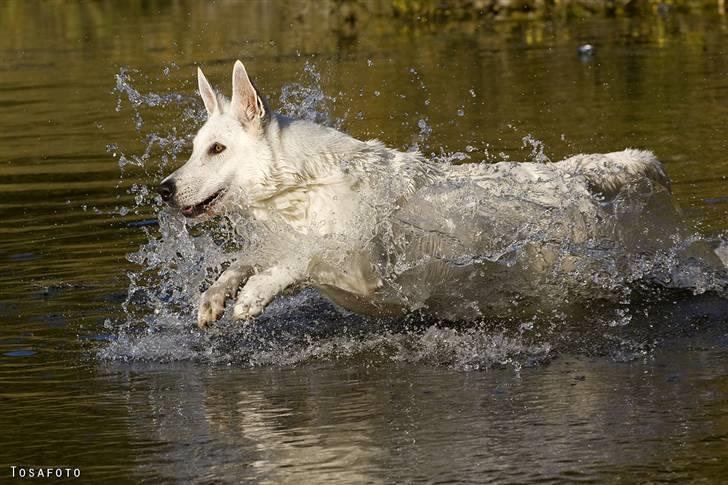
249 306
212 306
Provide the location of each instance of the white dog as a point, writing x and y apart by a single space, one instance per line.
381 231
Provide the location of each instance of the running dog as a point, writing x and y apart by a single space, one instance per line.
385 232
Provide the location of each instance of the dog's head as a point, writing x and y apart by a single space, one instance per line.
230 153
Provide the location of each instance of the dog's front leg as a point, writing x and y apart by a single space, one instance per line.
262 288
212 301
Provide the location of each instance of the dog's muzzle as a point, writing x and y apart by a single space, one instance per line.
167 189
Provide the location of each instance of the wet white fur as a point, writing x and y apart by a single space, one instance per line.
310 177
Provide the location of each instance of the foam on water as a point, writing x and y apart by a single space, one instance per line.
182 257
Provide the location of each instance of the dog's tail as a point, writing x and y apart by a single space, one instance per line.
608 173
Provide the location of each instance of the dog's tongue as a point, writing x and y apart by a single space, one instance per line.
189 210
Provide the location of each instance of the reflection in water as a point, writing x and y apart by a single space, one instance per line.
573 419
340 408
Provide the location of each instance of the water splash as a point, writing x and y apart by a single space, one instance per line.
307 100
420 139
124 87
159 136
537 149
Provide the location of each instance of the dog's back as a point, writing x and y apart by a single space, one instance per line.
609 173
492 239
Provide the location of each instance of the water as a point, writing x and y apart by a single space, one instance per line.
102 369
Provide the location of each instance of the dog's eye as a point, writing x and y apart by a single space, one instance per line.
216 148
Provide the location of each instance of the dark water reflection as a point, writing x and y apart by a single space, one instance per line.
659 83
661 418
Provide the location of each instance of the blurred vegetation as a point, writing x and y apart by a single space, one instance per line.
469 9
311 23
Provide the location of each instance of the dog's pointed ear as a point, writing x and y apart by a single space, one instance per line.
247 105
208 94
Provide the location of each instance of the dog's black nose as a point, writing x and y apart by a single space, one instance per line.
166 189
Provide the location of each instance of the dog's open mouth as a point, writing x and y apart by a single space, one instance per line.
202 207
